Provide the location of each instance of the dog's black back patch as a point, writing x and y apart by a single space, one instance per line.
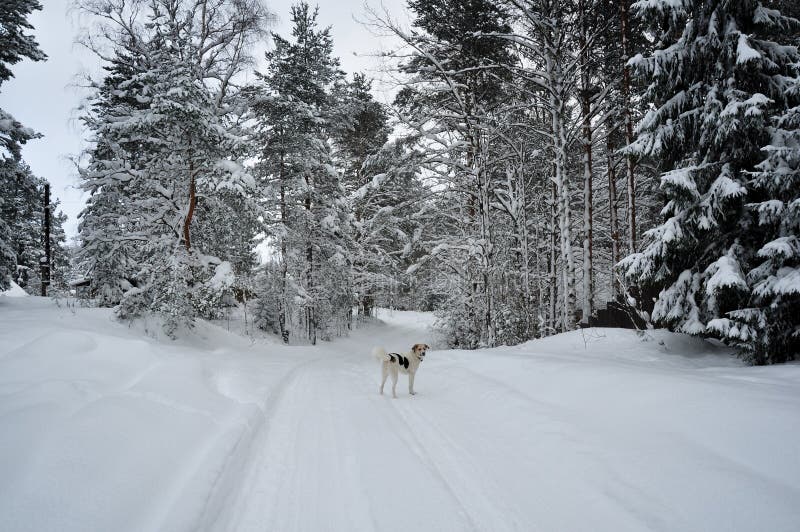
401 360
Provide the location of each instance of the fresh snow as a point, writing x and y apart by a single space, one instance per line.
745 52
726 273
223 276
14 290
107 428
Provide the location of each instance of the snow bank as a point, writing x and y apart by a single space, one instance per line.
14 290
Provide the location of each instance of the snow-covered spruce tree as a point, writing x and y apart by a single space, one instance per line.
767 328
7 258
15 45
19 201
166 153
305 211
722 81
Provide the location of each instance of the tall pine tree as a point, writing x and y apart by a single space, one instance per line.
168 187
305 210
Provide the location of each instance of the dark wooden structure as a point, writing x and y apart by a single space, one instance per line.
616 315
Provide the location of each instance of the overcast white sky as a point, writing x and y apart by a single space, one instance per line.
43 95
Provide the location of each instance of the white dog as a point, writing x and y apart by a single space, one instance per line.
394 363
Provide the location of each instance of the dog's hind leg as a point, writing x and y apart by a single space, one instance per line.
385 374
394 382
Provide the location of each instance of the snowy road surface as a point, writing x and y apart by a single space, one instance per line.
103 428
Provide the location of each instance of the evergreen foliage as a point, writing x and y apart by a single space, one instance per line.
15 178
723 81
169 191
22 213
306 215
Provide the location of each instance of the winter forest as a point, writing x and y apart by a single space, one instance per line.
540 161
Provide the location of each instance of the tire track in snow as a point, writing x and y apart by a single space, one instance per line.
329 440
215 463
494 506
479 496
407 433
285 484
232 505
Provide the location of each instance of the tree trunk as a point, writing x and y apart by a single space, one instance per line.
588 280
487 254
562 191
522 229
284 300
626 111
311 305
192 204
613 216
553 262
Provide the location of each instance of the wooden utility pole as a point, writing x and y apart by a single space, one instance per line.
44 262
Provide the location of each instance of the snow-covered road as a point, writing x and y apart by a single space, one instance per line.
102 428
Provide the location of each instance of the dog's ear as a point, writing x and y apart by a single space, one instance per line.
426 346
416 347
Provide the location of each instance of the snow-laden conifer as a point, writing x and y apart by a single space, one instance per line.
305 213
722 82
15 45
168 187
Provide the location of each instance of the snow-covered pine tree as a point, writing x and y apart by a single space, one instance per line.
110 249
15 45
720 81
186 150
7 258
18 203
168 152
23 210
307 220
371 181
390 211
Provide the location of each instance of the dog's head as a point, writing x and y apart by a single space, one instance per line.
419 350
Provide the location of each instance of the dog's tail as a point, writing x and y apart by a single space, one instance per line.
380 354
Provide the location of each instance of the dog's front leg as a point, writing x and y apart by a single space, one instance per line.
394 384
411 384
